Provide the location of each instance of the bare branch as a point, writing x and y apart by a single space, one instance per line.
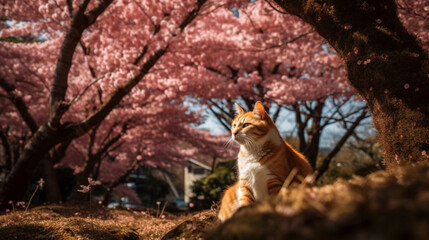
77 97
327 160
20 105
275 8
222 109
220 118
114 139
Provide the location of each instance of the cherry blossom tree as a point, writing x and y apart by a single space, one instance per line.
258 54
100 69
385 63
85 46
150 137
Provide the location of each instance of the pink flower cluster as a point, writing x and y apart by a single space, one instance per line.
87 188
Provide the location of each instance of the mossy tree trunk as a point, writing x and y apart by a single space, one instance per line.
385 64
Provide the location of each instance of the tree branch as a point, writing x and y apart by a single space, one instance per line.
220 118
19 105
100 114
79 23
327 160
60 152
123 90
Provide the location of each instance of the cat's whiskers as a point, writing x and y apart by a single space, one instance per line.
228 144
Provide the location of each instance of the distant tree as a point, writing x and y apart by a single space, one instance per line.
261 55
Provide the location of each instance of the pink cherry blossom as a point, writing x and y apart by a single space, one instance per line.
20 204
41 182
93 183
84 189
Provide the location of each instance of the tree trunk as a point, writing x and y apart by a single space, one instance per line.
385 64
51 186
107 196
22 172
6 148
311 151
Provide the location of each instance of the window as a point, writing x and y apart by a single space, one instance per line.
199 171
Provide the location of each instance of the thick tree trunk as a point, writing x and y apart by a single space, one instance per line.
385 64
7 154
22 172
51 186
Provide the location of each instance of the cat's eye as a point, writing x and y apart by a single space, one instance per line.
246 125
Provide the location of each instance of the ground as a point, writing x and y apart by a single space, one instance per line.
74 222
383 205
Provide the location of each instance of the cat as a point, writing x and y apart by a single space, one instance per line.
264 161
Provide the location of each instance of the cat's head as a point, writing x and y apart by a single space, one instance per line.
248 128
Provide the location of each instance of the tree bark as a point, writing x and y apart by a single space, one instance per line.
22 172
385 64
51 187
314 133
6 148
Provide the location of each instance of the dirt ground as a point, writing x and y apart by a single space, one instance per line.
383 205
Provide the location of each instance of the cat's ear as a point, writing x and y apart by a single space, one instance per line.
259 110
239 110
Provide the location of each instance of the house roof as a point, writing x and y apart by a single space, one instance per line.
193 161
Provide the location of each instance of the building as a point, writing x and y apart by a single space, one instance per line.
194 170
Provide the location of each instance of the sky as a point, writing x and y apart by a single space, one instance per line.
329 137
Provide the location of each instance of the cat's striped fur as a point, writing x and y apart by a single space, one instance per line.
264 160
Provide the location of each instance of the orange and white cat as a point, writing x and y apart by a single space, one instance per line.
264 161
